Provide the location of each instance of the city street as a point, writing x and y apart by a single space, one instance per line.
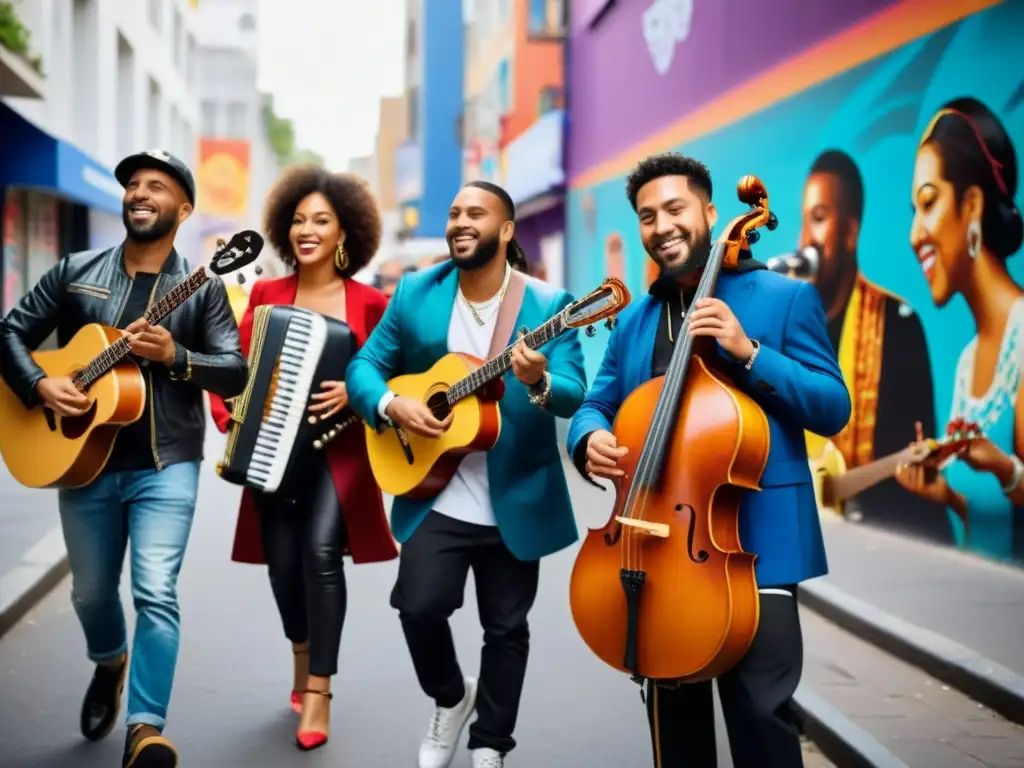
230 705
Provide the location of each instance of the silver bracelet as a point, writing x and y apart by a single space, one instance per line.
1018 475
543 397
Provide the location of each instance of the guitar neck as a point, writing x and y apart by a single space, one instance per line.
861 478
117 351
498 366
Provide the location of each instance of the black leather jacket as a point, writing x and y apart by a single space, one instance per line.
92 287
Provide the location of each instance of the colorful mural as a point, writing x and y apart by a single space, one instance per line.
893 171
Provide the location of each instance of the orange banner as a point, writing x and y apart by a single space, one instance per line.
223 177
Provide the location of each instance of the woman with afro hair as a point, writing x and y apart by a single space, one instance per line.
328 227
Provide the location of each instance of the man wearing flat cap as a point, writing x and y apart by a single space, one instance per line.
146 494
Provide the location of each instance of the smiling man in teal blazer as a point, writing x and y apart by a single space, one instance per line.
771 334
504 509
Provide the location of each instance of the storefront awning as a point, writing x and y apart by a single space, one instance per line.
34 159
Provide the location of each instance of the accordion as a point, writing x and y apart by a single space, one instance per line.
272 430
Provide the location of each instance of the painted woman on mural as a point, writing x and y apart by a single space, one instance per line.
966 225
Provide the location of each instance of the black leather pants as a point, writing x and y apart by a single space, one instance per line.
303 538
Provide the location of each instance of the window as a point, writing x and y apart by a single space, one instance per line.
208 119
188 140
156 14
414 111
238 127
177 41
154 134
125 96
550 99
190 60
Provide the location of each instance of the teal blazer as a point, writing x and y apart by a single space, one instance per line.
527 482
795 379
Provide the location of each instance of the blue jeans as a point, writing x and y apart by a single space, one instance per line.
154 511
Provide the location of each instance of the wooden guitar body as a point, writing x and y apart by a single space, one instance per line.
476 426
43 449
829 463
699 606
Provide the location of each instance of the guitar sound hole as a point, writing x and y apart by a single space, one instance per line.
438 405
73 427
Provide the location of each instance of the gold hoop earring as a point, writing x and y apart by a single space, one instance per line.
974 239
341 258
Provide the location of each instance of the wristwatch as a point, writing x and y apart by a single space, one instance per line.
540 393
753 355
181 368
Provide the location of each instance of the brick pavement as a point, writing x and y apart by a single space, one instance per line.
920 720
974 601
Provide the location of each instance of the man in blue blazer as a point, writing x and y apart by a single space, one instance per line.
771 334
504 509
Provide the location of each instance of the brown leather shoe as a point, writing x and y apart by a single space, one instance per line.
145 747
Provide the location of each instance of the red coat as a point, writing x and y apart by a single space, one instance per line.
369 535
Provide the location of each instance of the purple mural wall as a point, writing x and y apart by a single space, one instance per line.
669 60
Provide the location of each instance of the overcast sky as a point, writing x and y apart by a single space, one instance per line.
327 63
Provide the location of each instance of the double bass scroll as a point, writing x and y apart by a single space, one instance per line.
664 591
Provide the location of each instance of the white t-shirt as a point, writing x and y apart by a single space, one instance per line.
468 496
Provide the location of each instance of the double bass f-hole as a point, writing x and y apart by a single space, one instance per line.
612 538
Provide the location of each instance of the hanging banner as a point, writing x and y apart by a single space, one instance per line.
223 178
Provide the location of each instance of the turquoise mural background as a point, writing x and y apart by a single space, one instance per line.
875 112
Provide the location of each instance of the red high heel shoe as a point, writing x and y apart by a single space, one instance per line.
307 740
296 697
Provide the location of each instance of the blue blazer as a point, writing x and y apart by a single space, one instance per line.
795 379
527 480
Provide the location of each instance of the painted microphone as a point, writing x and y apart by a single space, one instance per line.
802 264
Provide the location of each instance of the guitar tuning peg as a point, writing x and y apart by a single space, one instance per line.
773 221
312 419
317 444
221 242
591 330
241 279
753 236
609 323
258 269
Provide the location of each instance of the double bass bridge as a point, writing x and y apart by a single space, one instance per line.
659 530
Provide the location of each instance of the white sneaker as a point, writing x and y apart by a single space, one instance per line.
438 748
487 758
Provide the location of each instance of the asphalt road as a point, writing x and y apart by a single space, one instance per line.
230 704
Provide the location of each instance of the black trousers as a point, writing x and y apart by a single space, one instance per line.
431 582
303 537
755 697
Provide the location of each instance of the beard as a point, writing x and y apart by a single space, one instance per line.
484 253
700 250
149 233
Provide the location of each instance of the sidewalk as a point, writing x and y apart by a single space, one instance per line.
31 548
970 600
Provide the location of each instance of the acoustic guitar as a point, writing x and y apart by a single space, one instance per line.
470 389
834 484
43 449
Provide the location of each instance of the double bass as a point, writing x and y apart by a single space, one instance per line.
664 591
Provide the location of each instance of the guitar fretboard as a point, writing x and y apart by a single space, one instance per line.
117 351
497 367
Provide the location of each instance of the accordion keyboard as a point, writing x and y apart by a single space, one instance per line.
286 410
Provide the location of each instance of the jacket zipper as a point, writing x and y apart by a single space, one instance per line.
152 406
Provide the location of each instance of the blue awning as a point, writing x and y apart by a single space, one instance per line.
33 158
